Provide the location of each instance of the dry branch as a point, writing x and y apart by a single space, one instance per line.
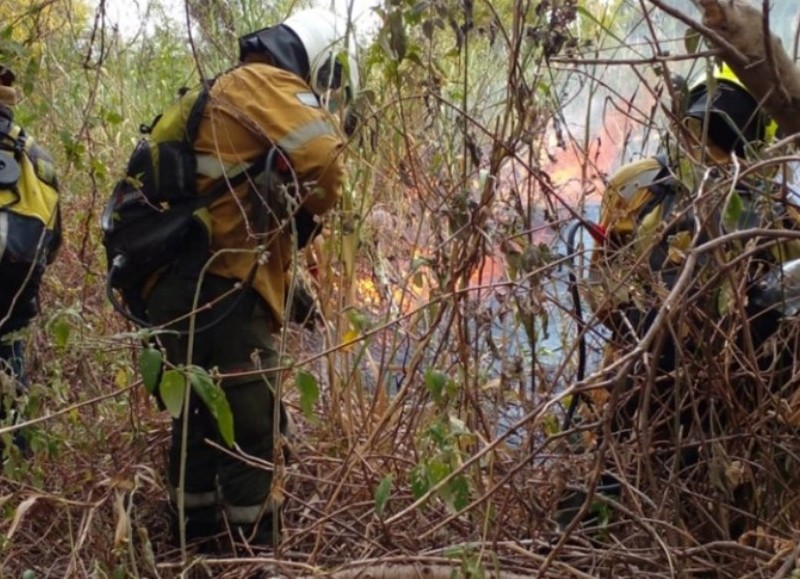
411 571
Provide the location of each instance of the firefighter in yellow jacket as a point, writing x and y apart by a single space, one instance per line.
294 79
649 224
30 236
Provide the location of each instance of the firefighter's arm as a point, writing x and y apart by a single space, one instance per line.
319 165
626 194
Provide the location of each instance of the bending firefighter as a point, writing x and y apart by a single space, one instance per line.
654 215
268 158
30 235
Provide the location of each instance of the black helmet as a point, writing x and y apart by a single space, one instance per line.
734 117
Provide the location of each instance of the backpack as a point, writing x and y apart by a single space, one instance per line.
154 212
30 223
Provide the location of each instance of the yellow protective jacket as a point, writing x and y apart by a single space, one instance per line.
30 222
250 109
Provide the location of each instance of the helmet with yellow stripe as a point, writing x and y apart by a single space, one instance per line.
732 116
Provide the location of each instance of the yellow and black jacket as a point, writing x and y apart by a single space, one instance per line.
250 109
30 223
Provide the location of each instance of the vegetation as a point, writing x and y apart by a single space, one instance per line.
430 402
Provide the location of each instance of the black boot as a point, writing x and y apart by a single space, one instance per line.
203 526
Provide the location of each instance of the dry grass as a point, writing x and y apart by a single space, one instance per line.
92 500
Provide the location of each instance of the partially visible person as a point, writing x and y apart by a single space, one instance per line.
30 235
716 356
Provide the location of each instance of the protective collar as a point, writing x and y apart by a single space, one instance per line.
281 44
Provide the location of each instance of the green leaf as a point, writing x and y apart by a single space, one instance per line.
437 471
438 433
435 381
60 330
602 511
427 29
726 299
382 494
397 35
172 390
691 40
733 212
358 320
150 366
309 392
419 480
458 491
213 396
113 117
100 169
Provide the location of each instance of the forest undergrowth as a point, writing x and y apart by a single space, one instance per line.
429 400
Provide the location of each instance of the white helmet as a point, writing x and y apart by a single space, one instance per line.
331 53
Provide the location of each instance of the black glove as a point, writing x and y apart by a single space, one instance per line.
307 227
302 309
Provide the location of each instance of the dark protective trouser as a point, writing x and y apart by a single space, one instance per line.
238 341
14 384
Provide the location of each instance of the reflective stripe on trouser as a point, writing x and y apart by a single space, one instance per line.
247 514
239 341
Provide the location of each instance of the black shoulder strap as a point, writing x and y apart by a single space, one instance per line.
6 127
196 113
14 133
